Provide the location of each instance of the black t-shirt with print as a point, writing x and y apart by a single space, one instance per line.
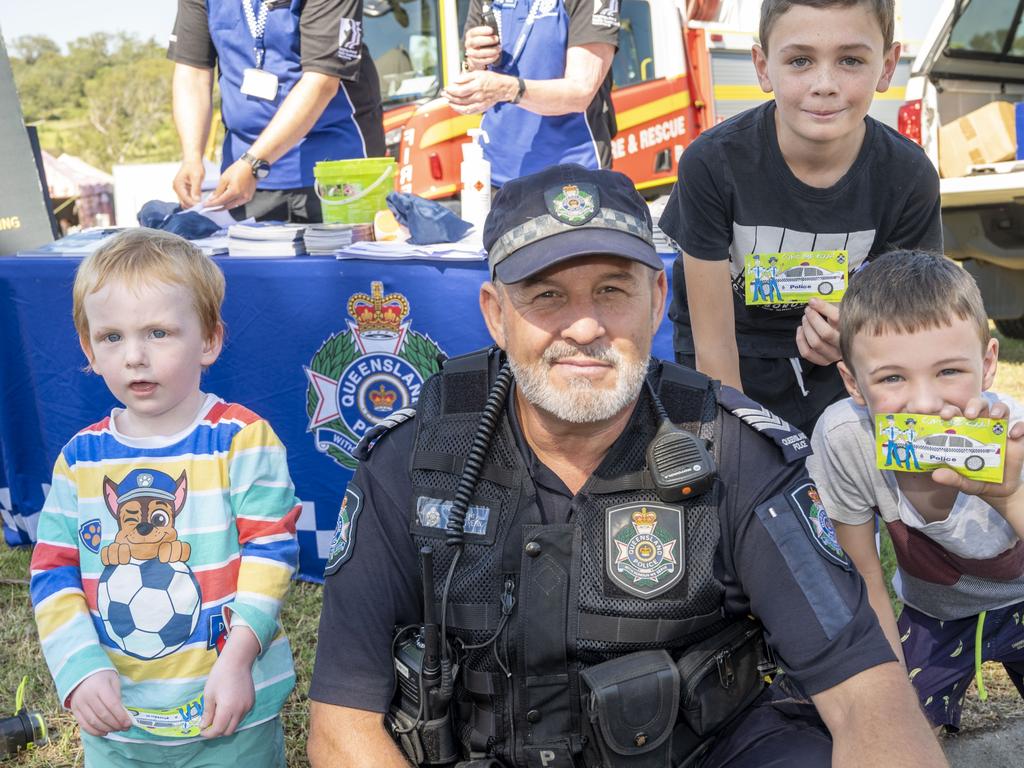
736 196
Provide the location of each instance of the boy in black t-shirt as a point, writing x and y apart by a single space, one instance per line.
805 173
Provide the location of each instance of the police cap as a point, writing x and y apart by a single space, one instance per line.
564 212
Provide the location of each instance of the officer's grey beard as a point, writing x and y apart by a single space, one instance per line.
581 403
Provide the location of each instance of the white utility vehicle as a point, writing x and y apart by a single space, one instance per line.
974 54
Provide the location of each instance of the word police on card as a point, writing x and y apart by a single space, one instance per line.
914 442
796 278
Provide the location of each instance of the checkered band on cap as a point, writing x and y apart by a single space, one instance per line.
547 225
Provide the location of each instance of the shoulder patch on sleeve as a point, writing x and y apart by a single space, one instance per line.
786 523
344 539
811 512
378 430
791 441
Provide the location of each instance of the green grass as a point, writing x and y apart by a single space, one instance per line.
20 654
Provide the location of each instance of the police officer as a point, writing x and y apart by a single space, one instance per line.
575 566
297 86
543 82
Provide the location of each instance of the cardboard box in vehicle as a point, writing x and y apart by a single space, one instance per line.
986 135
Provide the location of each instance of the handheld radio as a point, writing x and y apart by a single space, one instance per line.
419 718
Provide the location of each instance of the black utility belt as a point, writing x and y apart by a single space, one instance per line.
647 711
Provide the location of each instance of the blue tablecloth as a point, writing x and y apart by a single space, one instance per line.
311 346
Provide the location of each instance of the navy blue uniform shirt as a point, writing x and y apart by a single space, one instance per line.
813 605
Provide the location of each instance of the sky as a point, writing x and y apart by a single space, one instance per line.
64 20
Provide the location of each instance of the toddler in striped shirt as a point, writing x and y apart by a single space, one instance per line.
167 541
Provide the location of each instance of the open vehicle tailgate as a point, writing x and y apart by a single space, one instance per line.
982 189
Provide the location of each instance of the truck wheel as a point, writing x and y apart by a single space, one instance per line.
974 463
824 288
1012 328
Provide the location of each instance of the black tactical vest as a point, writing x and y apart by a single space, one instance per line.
533 604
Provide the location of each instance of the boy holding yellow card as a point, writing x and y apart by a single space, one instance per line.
779 205
920 359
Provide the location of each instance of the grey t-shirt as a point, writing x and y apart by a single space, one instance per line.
967 563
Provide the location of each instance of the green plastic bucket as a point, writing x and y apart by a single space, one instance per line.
352 191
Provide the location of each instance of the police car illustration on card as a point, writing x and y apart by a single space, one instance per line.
915 442
795 278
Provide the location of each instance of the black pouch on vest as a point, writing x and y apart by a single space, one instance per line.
721 676
632 703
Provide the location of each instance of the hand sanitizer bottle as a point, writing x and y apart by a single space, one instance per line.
476 180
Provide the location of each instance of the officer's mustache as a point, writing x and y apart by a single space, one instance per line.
561 350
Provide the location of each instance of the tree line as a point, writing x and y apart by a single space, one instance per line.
107 99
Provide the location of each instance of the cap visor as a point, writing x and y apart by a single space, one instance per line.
572 244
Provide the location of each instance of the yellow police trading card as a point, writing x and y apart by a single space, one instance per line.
914 442
180 723
796 278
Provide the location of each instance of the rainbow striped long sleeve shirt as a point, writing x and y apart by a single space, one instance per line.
150 549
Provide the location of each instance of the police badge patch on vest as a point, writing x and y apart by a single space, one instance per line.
344 540
644 552
807 504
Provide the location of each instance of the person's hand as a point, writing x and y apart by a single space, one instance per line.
817 338
96 704
236 187
230 692
482 47
1008 495
188 182
471 93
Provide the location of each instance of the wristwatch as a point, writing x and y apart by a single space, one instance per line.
260 168
520 92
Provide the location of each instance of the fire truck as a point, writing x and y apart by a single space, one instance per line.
659 104
681 67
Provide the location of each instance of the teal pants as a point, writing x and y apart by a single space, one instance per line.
261 746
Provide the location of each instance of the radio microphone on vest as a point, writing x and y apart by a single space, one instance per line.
680 464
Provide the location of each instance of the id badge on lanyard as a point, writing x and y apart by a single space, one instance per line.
255 81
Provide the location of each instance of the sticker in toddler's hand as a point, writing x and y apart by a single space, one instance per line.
179 723
796 278
914 442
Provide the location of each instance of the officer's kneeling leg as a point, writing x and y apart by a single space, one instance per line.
776 732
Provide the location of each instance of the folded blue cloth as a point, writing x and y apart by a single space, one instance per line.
169 217
428 221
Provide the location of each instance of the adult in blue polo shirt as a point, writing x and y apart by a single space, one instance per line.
297 86
543 83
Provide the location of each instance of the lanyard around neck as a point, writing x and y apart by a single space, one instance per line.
257 22
524 33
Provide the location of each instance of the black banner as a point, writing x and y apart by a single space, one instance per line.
24 215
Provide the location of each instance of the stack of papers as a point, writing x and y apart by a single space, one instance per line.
266 240
325 239
214 245
467 249
78 244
